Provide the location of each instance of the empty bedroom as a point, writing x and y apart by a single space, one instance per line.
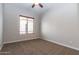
39 28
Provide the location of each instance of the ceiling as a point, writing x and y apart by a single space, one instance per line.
37 9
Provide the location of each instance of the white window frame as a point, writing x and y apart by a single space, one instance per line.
26 31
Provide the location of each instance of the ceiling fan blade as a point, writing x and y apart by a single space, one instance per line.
40 5
33 5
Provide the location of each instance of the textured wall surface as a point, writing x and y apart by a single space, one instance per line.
60 25
11 23
1 25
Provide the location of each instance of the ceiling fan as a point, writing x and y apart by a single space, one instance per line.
39 4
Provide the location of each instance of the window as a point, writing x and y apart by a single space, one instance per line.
23 23
26 25
30 25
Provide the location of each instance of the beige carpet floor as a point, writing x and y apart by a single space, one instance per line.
36 47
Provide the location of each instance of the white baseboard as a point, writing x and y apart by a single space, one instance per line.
44 39
18 40
64 45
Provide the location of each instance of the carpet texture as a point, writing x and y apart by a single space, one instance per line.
36 47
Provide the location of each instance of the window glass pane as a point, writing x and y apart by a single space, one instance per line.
23 22
30 25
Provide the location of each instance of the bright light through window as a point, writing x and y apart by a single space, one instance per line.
26 25
30 25
23 23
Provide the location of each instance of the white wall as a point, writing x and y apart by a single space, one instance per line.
1 25
11 24
60 25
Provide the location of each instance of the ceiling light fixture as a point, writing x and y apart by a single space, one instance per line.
36 2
